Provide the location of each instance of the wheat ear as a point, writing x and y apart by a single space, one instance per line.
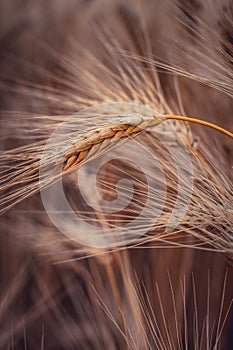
97 141
127 126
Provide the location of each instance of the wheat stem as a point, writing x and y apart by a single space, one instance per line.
200 122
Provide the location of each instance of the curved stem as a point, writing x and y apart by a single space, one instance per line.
201 122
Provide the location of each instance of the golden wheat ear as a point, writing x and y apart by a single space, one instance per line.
95 142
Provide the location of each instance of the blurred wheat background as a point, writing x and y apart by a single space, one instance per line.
166 289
